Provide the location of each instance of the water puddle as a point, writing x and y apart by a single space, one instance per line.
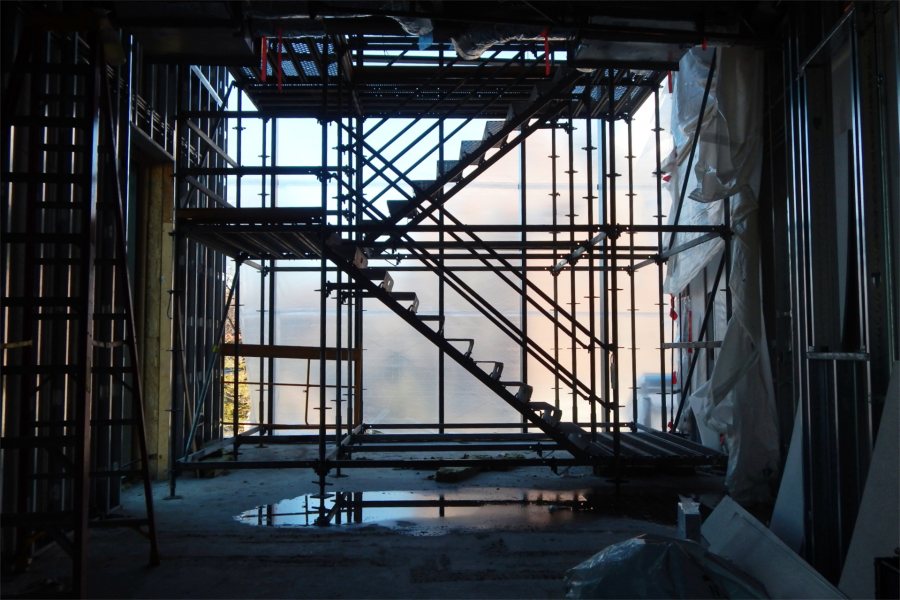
436 512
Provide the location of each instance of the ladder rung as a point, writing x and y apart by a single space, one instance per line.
42 441
58 262
110 316
57 97
64 148
46 205
48 316
111 370
41 369
52 178
44 238
80 69
42 302
45 121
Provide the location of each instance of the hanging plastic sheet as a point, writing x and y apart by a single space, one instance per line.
737 400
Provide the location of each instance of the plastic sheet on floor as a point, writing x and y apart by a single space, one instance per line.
657 567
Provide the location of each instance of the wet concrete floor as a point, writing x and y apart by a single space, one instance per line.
502 534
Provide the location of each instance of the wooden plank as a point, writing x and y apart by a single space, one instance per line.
278 351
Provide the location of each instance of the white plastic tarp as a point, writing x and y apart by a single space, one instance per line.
738 398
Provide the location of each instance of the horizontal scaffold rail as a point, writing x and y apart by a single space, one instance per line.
291 352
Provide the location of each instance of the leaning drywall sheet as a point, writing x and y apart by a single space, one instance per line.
787 517
877 531
735 534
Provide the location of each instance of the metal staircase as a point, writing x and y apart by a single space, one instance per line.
547 99
377 283
425 196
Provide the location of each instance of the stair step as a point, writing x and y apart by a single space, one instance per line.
467 148
407 297
439 319
401 208
445 166
540 90
471 342
575 434
420 186
381 275
548 412
517 108
351 253
497 369
523 394
492 128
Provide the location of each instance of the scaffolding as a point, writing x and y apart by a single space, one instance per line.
231 226
73 407
386 112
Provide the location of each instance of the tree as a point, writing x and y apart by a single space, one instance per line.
243 390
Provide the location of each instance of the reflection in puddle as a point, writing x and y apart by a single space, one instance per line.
434 512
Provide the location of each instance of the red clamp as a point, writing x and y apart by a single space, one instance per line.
546 52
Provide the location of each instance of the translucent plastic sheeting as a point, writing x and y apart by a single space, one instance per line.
656 567
738 398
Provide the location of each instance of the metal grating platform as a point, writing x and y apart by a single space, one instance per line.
397 80
643 448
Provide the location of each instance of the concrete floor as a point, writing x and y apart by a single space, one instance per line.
206 553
